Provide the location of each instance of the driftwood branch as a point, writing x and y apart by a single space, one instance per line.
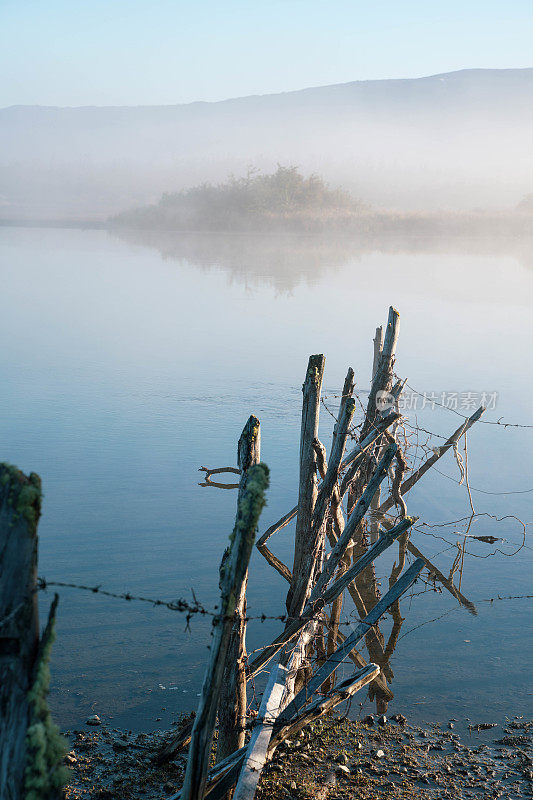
408 484
356 452
325 596
274 561
324 705
401 585
332 473
355 656
355 518
218 471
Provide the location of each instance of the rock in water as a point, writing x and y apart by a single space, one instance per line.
94 720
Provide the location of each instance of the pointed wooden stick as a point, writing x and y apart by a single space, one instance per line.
382 380
347 392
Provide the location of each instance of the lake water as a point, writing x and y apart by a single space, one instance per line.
126 365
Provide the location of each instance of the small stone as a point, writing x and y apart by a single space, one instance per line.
330 779
341 759
380 754
94 720
368 720
382 720
70 759
118 747
169 787
399 718
344 769
451 725
293 785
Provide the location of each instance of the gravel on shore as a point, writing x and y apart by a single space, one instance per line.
333 758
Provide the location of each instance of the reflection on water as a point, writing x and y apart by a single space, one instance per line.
286 260
123 373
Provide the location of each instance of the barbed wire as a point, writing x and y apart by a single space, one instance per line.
480 421
180 605
456 608
497 422
183 606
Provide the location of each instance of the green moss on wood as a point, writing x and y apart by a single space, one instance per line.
350 405
45 776
21 493
249 510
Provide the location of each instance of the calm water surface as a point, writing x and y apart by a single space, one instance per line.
127 365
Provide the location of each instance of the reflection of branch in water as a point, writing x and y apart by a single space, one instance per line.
218 471
219 485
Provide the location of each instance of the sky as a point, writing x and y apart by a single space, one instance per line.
155 52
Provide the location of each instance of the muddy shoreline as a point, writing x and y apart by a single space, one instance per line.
333 758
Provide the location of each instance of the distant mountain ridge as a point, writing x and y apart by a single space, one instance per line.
459 139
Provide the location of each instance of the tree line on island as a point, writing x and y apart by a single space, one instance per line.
288 200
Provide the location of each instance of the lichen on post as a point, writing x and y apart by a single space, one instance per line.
30 746
232 574
232 702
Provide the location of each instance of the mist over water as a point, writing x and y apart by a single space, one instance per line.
459 140
130 362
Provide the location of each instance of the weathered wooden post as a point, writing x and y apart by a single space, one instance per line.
233 573
305 546
373 527
232 703
31 748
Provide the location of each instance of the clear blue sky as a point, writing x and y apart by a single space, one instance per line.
132 52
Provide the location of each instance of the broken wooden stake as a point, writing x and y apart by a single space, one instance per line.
232 702
233 573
